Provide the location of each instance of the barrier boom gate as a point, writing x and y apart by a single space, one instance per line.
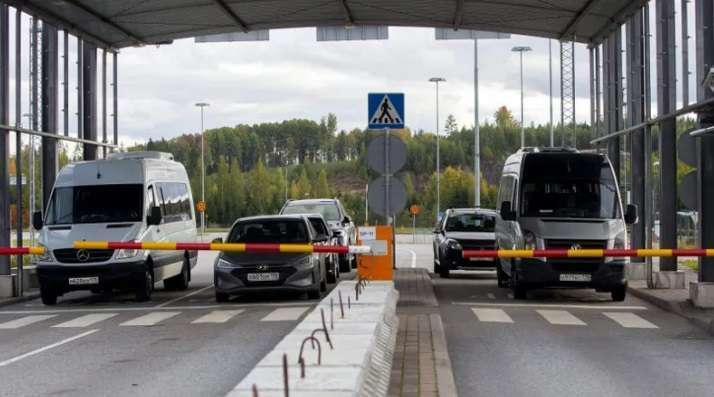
589 253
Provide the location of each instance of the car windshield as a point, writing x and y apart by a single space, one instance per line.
477 223
328 211
270 231
95 204
569 186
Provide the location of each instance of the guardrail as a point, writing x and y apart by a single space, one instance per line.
589 253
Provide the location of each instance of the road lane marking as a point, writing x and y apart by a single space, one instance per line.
629 320
492 315
552 305
285 314
86 320
560 317
491 295
217 316
414 256
21 322
144 308
510 296
149 319
48 347
198 291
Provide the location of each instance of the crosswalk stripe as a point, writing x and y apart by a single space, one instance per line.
217 316
560 317
629 320
86 320
285 314
23 321
150 319
492 315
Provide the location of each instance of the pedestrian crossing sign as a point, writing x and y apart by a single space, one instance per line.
385 110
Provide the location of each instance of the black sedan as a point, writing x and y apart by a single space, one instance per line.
463 229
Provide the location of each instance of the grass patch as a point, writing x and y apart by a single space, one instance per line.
690 263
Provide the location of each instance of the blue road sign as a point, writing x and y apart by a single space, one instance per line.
385 110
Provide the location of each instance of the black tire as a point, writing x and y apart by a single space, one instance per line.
619 293
332 272
180 281
520 293
323 279
314 294
444 272
222 297
344 263
48 296
437 268
145 286
503 279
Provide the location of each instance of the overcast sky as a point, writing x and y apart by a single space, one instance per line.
294 76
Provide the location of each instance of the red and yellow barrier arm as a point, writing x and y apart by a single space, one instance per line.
22 250
225 247
589 253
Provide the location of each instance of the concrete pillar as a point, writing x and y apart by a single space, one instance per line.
49 101
4 144
89 98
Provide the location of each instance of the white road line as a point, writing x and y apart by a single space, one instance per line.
198 291
552 305
86 320
149 319
560 317
491 295
217 316
285 314
629 320
48 347
492 315
149 308
510 296
21 322
414 256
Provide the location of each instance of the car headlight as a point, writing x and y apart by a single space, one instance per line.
529 240
46 256
220 262
454 245
125 254
620 242
303 263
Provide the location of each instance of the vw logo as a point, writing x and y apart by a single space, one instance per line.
83 255
576 246
262 267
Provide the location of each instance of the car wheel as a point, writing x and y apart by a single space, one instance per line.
503 279
332 274
48 296
443 271
323 279
180 281
345 265
314 294
145 286
437 268
222 297
619 293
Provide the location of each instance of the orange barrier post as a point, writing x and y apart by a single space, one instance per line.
378 265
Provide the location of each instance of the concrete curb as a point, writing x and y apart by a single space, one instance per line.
24 298
359 365
446 384
681 309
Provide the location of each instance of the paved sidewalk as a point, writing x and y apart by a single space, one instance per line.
415 287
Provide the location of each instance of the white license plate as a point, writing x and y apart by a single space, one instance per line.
83 280
477 259
576 277
263 276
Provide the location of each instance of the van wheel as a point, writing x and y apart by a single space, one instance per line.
146 286
619 293
444 272
48 296
503 279
222 297
181 280
314 294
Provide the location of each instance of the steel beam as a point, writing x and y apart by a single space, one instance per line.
89 99
115 97
49 101
685 52
104 102
613 108
231 14
4 136
567 92
65 83
666 103
18 147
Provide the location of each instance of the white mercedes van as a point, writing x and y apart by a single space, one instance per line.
561 199
133 196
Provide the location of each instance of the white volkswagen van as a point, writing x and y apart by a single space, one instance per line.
133 196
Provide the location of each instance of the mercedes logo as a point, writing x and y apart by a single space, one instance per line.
83 255
576 246
262 267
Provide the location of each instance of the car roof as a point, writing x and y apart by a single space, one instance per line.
473 211
271 217
312 201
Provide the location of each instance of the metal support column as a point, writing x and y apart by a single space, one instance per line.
591 63
89 98
613 108
50 94
115 98
65 84
104 102
19 209
4 136
567 93
666 103
635 115
598 90
705 61
685 52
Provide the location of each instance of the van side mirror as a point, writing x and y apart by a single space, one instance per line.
217 240
154 217
507 214
631 214
347 220
37 222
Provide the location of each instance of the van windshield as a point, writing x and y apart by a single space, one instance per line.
95 204
569 186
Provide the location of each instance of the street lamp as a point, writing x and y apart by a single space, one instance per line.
202 105
521 50
436 81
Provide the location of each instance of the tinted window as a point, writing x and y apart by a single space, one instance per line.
95 204
505 192
572 186
329 211
274 231
174 202
319 226
470 223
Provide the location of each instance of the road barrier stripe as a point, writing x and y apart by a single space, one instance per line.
588 253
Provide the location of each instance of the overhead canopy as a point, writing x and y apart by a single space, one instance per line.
124 23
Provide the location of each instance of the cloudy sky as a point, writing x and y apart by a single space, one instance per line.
294 76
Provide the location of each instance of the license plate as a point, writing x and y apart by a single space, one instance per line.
477 259
576 277
83 280
263 276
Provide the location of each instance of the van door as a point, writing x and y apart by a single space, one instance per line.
506 231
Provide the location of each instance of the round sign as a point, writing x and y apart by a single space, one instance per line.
380 157
201 206
688 190
377 196
414 209
687 149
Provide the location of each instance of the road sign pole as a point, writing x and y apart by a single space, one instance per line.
477 134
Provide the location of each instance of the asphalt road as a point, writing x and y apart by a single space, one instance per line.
563 342
179 344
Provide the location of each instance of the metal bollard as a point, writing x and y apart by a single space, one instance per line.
301 360
286 385
342 308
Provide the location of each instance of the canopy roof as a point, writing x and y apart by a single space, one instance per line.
117 24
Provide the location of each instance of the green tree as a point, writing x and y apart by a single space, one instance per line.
322 188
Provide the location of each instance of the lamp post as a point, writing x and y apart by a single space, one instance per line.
202 105
521 50
436 81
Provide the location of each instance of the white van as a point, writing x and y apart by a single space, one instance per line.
134 196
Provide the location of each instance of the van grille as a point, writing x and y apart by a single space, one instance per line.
578 265
568 244
69 255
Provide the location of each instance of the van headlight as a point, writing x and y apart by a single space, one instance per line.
46 255
125 254
529 240
620 242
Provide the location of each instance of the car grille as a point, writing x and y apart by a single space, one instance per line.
69 255
477 245
583 265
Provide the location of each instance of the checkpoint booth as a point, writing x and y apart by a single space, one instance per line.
378 265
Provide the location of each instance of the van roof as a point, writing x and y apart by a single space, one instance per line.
117 170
